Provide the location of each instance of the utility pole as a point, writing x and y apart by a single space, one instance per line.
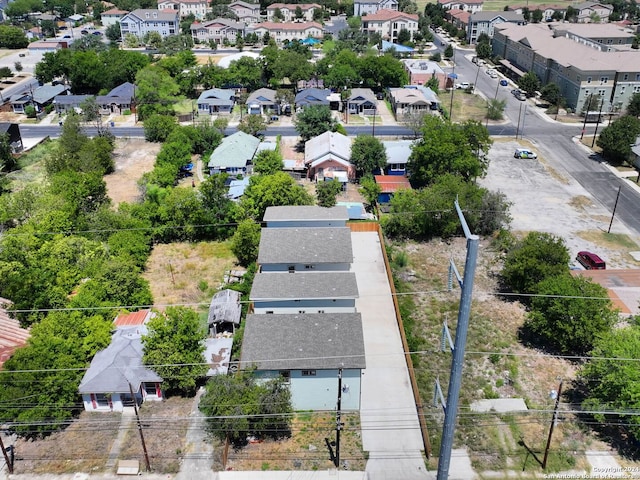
595 133
553 422
335 457
7 460
519 115
453 394
524 116
615 206
586 114
144 445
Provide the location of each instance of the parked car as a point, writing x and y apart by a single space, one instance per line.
84 32
519 94
96 33
462 85
524 153
504 83
591 261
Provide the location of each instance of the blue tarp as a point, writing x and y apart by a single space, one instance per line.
310 41
398 48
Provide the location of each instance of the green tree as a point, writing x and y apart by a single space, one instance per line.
156 92
327 191
158 127
368 155
370 190
591 104
611 383
483 50
245 242
448 52
174 349
404 36
219 209
616 139
113 32
12 37
536 16
529 83
252 124
551 93
269 191
495 109
633 107
314 120
569 314
8 162
532 260
446 148
268 162
237 406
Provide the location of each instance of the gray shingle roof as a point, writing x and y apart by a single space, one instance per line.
113 368
303 285
303 341
304 212
48 92
305 245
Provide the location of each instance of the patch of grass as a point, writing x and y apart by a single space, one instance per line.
465 106
32 170
609 240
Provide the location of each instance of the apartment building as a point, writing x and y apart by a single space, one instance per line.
245 11
389 23
142 21
485 22
289 31
217 30
367 7
581 61
197 8
288 11
471 6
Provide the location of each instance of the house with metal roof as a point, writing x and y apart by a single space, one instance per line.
305 249
115 371
234 154
262 102
305 216
39 98
143 21
390 184
12 335
225 310
216 101
328 156
398 153
309 351
134 319
304 292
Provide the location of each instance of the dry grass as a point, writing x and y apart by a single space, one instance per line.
306 449
187 272
165 428
497 364
86 447
587 141
466 106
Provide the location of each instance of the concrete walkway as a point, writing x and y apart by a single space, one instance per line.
198 460
388 415
126 420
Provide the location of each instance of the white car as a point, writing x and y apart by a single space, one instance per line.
462 85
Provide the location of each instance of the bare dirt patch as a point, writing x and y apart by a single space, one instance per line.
186 273
133 157
86 442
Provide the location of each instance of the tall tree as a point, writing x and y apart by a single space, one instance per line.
245 242
368 155
252 124
314 120
633 107
529 83
157 92
268 162
327 191
616 139
174 349
271 190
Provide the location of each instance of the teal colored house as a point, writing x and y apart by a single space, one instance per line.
234 154
308 351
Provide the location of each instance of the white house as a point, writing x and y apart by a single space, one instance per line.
245 11
288 11
197 8
308 351
142 21
305 249
218 30
305 216
304 292
112 16
328 156
367 7
389 23
289 31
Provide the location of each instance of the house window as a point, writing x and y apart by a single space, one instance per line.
601 92
291 269
588 79
604 79
301 311
150 388
101 400
321 311
626 76
578 78
309 267
286 375
308 373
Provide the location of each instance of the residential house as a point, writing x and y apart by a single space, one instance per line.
143 21
39 98
112 16
327 156
289 31
217 30
48 45
134 319
459 18
234 154
389 23
312 96
389 184
305 216
398 153
288 12
309 351
304 292
485 22
305 249
15 142
547 10
237 187
216 101
263 102
471 6
421 71
225 311
118 100
245 11
367 7
197 8
580 59
593 12
413 99
116 371
67 103
362 101
12 336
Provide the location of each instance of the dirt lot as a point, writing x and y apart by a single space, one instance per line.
133 158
